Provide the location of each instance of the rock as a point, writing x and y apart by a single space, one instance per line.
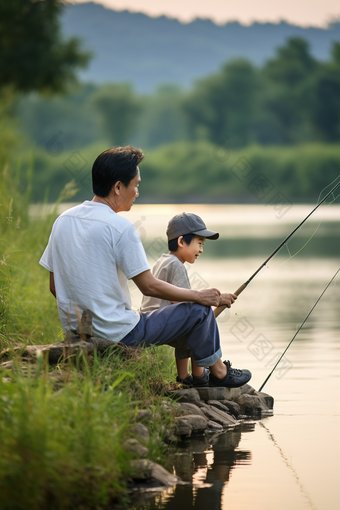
218 393
183 427
198 423
214 427
144 415
268 399
218 405
191 395
163 476
251 405
186 408
214 414
144 469
170 436
141 432
191 424
134 446
233 407
246 388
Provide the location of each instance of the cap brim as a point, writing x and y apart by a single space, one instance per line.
209 234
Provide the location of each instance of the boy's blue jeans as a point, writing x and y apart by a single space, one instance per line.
167 325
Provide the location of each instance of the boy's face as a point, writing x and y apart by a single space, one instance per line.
190 252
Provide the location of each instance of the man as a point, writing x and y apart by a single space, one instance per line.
93 252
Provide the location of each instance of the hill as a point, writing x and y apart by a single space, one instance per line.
149 51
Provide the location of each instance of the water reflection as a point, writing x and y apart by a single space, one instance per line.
277 466
206 462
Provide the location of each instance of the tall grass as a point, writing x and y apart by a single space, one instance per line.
62 428
62 431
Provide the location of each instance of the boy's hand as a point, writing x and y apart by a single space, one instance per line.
227 299
209 297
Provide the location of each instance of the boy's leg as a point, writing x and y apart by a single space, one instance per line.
182 368
196 371
219 369
198 324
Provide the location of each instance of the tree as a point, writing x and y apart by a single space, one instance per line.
119 110
162 119
224 104
288 77
292 64
324 98
34 56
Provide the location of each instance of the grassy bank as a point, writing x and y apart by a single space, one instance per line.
62 427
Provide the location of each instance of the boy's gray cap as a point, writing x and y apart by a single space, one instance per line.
188 223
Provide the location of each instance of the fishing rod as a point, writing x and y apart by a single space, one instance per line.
286 349
220 309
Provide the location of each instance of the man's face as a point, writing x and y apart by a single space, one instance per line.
129 193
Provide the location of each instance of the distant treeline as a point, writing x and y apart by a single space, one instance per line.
243 134
202 172
292 99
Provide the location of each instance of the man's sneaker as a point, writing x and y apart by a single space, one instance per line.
188 381
234 378
201 382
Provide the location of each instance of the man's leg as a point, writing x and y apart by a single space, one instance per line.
198 324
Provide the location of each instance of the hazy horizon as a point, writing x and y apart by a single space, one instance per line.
245 12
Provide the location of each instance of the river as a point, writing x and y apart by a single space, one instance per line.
289 460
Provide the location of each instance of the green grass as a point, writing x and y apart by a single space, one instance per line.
62 428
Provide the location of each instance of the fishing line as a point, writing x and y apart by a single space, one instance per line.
286 349
220 309
317 228
289 465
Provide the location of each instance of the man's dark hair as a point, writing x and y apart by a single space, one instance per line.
173 244
113 165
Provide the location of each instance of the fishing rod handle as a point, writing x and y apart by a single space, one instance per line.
240 289
220 309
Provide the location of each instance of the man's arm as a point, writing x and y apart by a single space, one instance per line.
151 286
52 285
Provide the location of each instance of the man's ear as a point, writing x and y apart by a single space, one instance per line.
116 187
180 241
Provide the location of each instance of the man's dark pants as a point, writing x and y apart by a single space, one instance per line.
167 325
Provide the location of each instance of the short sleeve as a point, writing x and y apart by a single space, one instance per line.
179 275
130 254
47 257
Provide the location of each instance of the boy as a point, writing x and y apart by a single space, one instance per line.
186 234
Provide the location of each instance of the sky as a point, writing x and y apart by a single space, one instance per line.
298 12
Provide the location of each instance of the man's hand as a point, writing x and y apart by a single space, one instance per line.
151 286
209 297
227 299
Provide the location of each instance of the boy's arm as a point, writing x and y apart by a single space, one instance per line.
151 286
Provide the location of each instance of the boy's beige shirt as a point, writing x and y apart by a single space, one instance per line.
171 270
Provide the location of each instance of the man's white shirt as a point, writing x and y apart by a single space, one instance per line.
93 252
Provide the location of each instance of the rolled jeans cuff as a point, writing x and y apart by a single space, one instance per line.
210 360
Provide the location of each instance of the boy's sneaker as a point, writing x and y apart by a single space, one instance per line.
234 378
201 382
188 381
